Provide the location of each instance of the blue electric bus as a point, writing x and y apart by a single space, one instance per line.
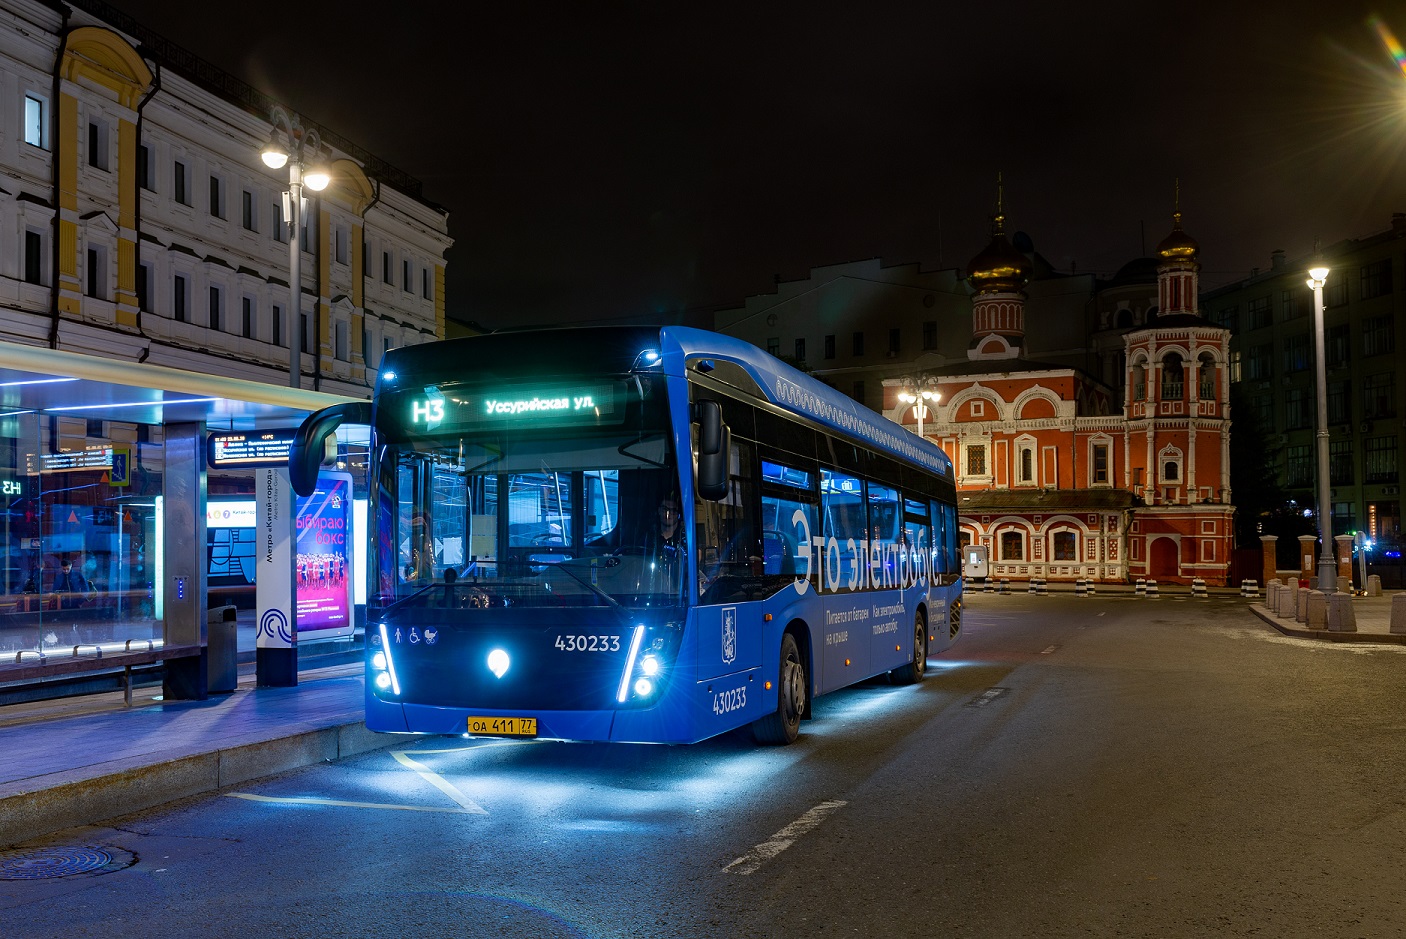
636 534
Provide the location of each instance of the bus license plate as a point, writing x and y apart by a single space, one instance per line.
503 726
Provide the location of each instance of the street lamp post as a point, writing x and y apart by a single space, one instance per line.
303 144
919 394
1327 569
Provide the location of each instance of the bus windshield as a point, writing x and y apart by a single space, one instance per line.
522 516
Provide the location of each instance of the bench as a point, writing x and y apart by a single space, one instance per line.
29 665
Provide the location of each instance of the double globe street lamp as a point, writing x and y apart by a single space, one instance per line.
1327 573
303 145
919 394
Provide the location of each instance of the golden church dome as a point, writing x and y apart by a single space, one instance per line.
1178 245
999 268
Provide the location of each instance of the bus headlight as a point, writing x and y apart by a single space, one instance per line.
378 662
644 687
649 665
383 681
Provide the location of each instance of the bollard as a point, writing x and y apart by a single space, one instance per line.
1398 613
1005 585
1271 598
1198 588
1249 588
1374 585
986 585
1152 590
1030 585
1344 584
1341 618
1141 588
1301 605
1081 588
1317 617
1091 587
1288 599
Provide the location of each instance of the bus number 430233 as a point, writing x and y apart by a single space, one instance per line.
588 643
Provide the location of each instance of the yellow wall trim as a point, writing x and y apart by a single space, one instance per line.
107 60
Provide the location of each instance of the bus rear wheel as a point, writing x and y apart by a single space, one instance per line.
783 726
913 672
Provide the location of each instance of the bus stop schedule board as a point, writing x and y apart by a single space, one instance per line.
252 449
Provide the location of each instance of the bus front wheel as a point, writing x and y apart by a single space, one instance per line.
913 672
783 725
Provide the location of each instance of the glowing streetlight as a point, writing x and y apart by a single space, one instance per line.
1327 573
303 145
919 394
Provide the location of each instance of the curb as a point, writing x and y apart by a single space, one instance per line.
1324 635
42 805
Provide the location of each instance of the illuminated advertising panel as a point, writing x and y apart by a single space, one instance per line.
323 565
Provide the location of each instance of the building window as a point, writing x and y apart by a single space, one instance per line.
1139 382
249 324
1298 466
144 174
180 298
1173 378
216 301
425 282
1297 353
1027 465
1379 395
1298 409
1235 371
1378 335
97 274
276 324
830 346
1340 463
341 244
800 350
36 121
1335 293
386 267
280 224
1171 471
1337 345
97 145
1293 304
1376 279
858 344
307 342
857 391
1261 315
1339 402
217 197
929 334
1264 412
976 459
1380 453
405 275
1229 318
773 345
305 228
1344 516
246 210
1012 546
1065 546
180 182
33 257
342 349
895 341
1206 379
1259 364
1100 464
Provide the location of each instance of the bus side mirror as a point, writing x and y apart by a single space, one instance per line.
713 443
309 446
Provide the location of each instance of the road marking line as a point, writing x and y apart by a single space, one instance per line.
752 860
1049 650
308 800
440 783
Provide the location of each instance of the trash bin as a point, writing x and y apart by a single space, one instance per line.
222 650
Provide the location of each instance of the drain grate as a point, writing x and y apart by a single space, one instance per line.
61 861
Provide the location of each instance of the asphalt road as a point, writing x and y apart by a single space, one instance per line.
1074 767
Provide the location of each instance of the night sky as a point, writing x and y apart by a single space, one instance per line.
605 160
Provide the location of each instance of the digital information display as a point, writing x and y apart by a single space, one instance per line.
253 448
515 405
69 461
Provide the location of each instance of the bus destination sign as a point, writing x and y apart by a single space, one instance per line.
250 448
524 405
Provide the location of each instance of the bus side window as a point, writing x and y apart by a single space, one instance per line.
725 530
845 524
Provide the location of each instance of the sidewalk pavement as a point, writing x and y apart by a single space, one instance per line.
81 760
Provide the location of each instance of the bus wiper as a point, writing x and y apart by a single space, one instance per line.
593 589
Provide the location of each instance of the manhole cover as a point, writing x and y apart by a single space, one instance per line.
61 861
